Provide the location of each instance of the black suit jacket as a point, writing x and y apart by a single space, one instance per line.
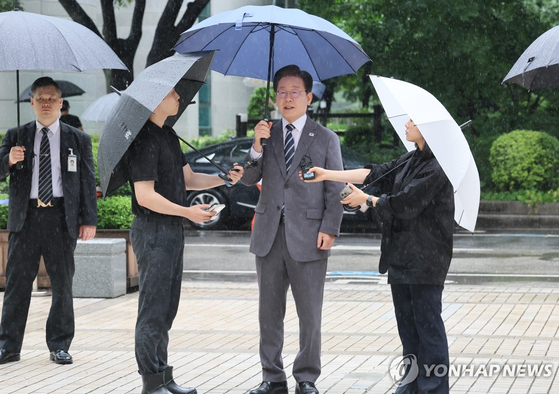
80 200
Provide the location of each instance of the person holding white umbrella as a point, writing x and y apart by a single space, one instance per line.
416 208
422 192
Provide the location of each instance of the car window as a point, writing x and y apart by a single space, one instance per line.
220 155
240 151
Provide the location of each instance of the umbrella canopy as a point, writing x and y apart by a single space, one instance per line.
256 41
99 110
68 89
31 41
186 73
538 66
40 42
403 101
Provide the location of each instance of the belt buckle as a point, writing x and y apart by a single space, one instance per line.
41 204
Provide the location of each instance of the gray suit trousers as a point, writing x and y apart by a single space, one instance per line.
276 272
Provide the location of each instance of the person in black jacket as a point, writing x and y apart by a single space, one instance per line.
52 203
416 209
66 117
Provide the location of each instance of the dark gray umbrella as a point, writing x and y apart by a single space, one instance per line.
538 66
31 41
186 73
68 89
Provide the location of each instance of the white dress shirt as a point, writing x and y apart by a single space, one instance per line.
54 140
295 133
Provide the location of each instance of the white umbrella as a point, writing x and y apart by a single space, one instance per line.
403 101
99 110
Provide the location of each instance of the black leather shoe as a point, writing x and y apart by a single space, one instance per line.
61 357
271 388
305 388
6 357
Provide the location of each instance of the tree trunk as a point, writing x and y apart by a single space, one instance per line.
377 125
125 49
167 34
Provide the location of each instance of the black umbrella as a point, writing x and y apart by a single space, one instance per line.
68 89
186 73
538 66
31 41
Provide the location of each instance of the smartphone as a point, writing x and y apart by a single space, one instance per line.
217 208
346 191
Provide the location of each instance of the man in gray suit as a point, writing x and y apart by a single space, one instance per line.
294 229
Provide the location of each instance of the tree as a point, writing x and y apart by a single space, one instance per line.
8 5
458 51
166 34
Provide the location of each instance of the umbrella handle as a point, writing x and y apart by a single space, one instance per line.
19 164
220 168
385 174
263 141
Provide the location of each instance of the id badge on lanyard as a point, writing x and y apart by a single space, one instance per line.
72 161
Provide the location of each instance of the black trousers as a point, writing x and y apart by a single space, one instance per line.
44 233
158 245
421 328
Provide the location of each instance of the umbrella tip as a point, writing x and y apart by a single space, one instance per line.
466 124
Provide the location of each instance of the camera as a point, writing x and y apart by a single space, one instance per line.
305 165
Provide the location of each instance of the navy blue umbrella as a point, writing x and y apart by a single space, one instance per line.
256 41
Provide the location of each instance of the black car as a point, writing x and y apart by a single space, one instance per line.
240 200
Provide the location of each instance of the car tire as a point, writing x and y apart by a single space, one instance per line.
210 197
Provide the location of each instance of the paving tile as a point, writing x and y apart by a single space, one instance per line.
214 341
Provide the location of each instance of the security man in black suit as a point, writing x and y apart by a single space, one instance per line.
52 203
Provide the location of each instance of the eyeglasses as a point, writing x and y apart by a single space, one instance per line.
46 100
282 94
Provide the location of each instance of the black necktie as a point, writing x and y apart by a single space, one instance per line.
45 172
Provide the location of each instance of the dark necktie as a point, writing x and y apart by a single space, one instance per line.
45 171
289 149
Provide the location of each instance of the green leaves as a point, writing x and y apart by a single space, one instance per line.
114 212
524 160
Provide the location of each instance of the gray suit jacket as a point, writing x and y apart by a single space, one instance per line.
80 199
309 207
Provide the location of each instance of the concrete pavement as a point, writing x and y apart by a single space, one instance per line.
500 336
478 258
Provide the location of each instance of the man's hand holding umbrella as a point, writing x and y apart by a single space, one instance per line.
261 131
17 154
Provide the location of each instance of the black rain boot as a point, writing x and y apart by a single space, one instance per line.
154 384
173 387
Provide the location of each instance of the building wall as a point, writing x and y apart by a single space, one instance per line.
229 95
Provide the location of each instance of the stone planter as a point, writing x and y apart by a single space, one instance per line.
43 279
131 263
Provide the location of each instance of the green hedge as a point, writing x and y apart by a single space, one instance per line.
4 217
114 212
525 160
